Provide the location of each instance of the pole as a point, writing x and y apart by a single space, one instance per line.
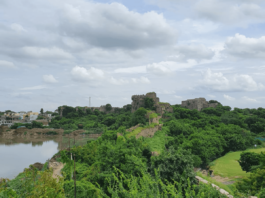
74 176
69 141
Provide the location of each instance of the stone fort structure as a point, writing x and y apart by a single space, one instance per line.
197 103
137 102
160 107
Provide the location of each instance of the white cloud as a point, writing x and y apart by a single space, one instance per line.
178 97
159 68
52 53
228 97
8 64
242 47
113 25
17 27
195 52
218 82
142 80
83 74
118 81
166 67
34 88
49 79
249 99
131 70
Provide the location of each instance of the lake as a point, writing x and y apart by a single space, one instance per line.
17 153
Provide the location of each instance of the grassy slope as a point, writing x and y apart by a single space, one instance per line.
157 142
227 166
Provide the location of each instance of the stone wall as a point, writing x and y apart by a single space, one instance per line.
137 102
198 104
161 108
149 132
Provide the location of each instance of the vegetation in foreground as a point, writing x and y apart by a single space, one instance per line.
123 166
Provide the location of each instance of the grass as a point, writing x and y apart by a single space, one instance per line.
228 188
228 166
134 132
153 115
157 142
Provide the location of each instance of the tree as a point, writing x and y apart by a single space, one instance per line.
149 103
252 184
138 117
174 165
108 107
248 159
41 110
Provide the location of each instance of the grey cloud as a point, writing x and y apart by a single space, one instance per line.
233 12
236 12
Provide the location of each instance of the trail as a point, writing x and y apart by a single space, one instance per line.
57 167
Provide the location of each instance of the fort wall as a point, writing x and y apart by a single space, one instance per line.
198 104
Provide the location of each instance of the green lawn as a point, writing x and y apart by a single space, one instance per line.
227 166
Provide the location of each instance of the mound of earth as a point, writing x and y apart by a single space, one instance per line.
38 165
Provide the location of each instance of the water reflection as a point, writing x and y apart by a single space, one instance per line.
17 153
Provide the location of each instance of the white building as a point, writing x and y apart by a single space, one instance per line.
33 117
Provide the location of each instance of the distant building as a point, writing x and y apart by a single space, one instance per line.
33 117
29 114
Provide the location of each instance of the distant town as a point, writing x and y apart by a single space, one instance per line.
8 117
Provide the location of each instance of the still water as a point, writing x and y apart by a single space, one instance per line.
17 153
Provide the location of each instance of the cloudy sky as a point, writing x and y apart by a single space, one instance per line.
61 52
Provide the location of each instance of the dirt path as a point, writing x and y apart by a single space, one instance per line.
57 167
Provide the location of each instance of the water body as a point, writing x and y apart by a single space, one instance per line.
17 153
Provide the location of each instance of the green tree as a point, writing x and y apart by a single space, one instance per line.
252 184
174 165
108 107
41 110
149 103
248 159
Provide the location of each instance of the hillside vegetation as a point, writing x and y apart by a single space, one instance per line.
124 166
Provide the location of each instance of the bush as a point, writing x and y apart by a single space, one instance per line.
174 165
253 184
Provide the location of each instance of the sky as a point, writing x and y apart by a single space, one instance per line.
61 52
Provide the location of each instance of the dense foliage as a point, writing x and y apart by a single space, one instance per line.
123 166
32 125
